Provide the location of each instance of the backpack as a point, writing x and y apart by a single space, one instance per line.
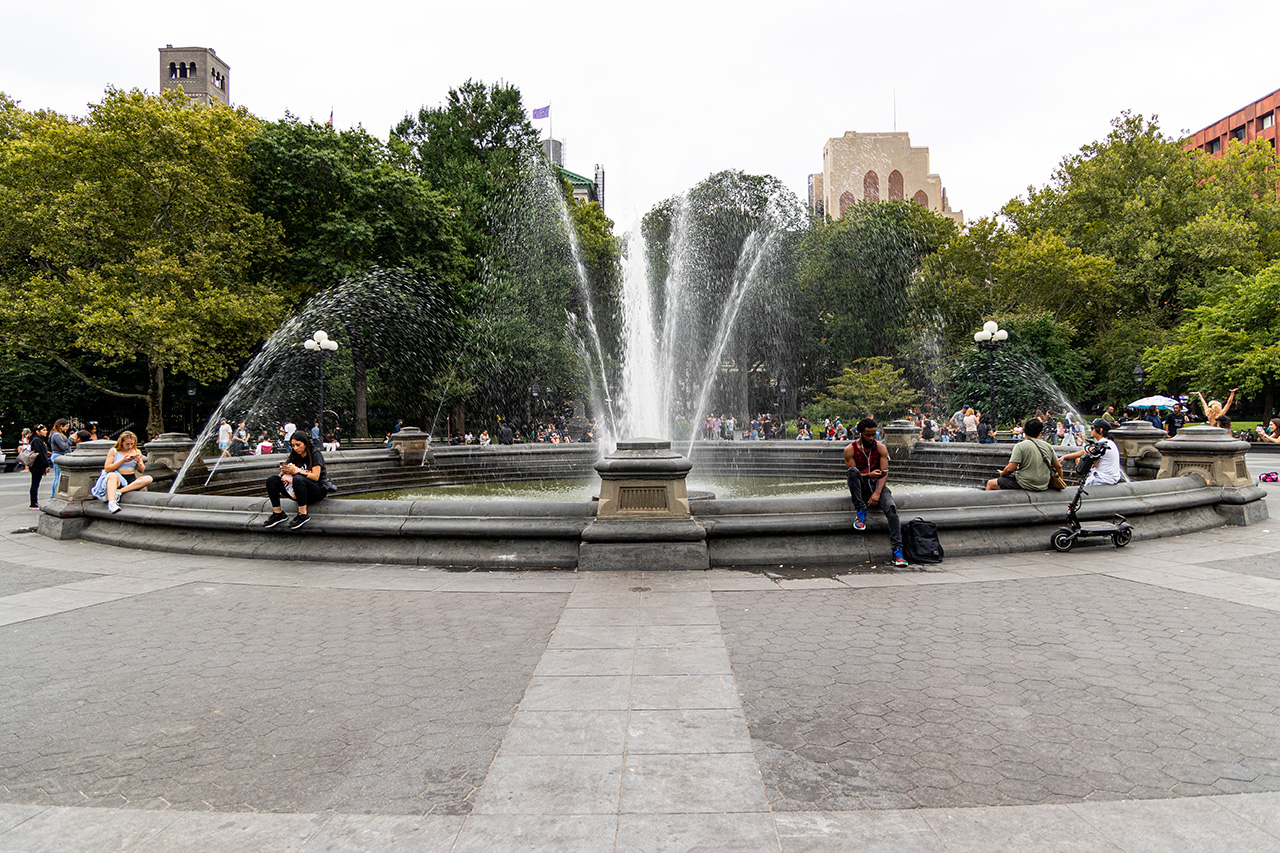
1269 477
920 539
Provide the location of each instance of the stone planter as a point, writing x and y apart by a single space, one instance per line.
1209 453
413 445
1137 441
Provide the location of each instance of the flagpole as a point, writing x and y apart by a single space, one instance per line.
551 132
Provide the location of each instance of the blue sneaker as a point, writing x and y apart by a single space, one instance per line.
899 560
861 522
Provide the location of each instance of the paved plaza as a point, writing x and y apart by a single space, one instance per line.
1099 700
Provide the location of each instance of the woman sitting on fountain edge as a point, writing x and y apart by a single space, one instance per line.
299 478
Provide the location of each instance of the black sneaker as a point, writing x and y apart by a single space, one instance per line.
297 521
274 519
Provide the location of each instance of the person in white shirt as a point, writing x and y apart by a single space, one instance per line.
224 437
289 428
1106 471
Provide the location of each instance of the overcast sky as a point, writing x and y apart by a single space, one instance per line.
665 93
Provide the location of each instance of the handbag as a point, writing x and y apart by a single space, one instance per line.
327 483
1055 480
27 457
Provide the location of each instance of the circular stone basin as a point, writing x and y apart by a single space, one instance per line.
700 488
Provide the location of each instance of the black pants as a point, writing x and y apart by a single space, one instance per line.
36 477
305 492
860 488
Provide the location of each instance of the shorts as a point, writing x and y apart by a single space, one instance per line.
1009 483
223 445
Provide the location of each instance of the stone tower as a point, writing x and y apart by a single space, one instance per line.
198 70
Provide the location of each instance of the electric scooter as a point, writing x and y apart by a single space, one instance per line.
1120 531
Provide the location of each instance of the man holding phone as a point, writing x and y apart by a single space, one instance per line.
867 464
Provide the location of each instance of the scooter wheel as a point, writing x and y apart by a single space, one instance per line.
1121 538
1063 541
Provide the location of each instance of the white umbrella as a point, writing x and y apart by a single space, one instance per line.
1157 401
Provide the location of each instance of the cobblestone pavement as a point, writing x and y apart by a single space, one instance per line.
1098 700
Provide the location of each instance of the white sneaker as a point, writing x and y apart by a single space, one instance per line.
113 506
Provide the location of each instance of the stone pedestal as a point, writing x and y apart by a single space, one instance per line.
1137 441
80 470
167 453
643 517
413 445
1207 452
900 438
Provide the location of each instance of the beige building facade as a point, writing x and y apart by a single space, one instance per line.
876 167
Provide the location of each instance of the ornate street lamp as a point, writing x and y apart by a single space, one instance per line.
782 405
991 339
320 343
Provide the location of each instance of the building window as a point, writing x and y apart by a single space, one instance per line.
1238 134
182 70
871 186
895 185
173 71
846 201
1214 146
1267 121
921 198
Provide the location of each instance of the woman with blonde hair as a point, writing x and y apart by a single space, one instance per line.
122 472
1214 409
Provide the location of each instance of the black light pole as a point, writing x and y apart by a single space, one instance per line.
782 405
320 343
991 340
191 404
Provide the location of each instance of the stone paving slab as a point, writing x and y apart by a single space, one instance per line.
238 698
16 578
1075 688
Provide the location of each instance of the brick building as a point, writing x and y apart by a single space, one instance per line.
1256 121
202 75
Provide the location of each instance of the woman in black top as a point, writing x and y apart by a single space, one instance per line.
299 478
38 468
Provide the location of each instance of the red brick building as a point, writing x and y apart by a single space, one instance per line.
1256 121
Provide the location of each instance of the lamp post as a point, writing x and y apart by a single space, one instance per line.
191 404
1138 376
782 405
991 339
320 343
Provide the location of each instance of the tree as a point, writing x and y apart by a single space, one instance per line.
348 207
1231 339
870 386
127 238
859 269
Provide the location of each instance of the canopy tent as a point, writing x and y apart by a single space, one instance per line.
1157 401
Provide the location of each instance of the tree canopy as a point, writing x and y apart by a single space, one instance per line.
127 237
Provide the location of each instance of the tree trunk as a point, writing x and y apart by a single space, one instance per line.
155 401
360 389
460 419
1268 401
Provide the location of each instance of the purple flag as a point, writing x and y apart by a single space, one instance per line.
542 112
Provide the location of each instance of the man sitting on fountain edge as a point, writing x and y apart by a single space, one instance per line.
1031 464
867 461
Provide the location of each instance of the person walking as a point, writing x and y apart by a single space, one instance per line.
39 465
867 470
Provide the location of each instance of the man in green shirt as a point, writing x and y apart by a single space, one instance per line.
1031 463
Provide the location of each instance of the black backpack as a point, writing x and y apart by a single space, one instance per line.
920 538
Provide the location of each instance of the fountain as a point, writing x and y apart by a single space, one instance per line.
684 300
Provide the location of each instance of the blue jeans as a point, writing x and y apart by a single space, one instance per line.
57 472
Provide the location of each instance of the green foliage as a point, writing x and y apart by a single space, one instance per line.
1038 368
127 237
858 272
871 386
1231 339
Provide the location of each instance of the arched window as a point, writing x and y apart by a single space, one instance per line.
921 198
895 185
846 200
871 186
191 70
182 70
173 71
